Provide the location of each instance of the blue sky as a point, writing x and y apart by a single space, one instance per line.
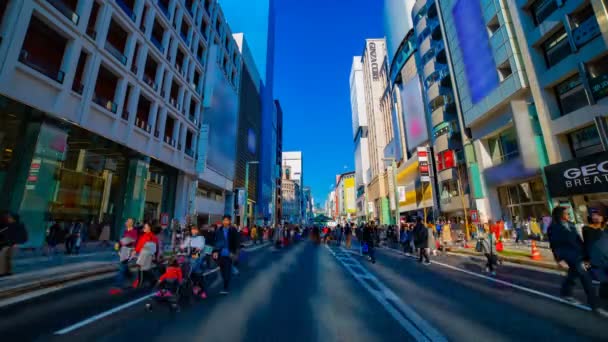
315 43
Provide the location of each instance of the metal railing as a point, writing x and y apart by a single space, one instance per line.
116 53
65 10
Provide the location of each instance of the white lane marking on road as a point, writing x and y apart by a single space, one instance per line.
253 249
113 311
415 325
506 283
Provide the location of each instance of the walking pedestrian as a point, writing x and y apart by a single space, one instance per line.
194 246
12 234
488 249
225 249
125 248
52 238
348 232
147 248
569 251
421 240
368 239
254 234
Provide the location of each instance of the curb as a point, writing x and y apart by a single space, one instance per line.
54 281
520 261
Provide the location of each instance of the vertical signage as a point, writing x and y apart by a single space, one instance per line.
203 142
373 56
423 164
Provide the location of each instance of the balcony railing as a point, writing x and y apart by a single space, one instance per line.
125 115
92 33
163 9
105 103
47 70
158 44
143 125
189 152
65 10
179 146
134 69
78 87
148 80
126 9
156 133
116 53
170 141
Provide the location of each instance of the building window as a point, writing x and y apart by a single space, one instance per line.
449 189
143 114
493 25
584 26
125 103
556 48
150 72
78 83
524 200
542 9
503 147
116 42
585 141
157 36
571 95
597 72
91 31
105 89
43 50
504 71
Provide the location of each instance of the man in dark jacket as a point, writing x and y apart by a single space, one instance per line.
225 250
12 234
421 239
368 238
568 250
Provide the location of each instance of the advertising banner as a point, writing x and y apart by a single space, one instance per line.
584 175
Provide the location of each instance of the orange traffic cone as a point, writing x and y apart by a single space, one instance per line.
535 252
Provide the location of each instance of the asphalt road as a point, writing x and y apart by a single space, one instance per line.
315 293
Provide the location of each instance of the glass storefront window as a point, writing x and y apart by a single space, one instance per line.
525 200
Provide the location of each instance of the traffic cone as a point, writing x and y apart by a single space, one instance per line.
535 252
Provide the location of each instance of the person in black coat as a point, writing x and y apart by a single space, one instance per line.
12 234
569 251
368 238
225 250
421 240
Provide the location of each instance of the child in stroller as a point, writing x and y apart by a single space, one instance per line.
169 285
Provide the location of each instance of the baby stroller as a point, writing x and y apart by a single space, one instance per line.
171 291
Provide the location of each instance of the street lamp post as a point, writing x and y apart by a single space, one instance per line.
396 194
247 190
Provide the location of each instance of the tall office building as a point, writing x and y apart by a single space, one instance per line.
379 129
448 169
249 135
498 109
257 20
217 164
360 135
278 161
566 60
101 106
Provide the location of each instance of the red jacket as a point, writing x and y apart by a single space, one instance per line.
147 237
172 273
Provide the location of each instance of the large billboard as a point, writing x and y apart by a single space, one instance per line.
350 199
221 110
413 113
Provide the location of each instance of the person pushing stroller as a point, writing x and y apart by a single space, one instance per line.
194 246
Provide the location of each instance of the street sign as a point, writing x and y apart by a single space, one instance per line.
164 220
